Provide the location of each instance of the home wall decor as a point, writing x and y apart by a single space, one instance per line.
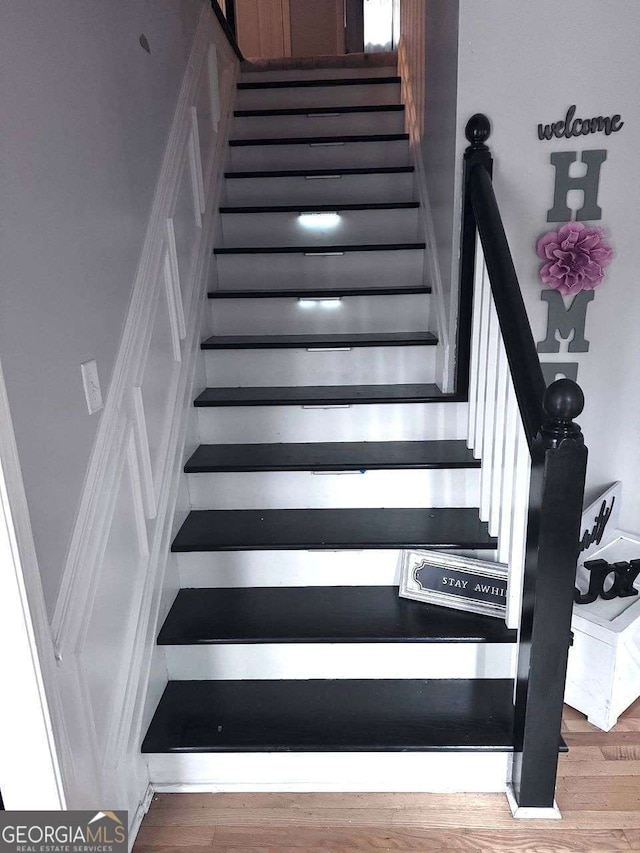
575 256
588 183
571 126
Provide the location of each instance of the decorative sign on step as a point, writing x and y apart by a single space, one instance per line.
600 521
609 580
448 580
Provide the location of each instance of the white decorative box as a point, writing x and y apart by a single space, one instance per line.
603 675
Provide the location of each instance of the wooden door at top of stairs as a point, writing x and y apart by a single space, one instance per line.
270 29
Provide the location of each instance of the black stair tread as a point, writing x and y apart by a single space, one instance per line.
368 339
320 614
318 250
319 208
314 173
320 83
331 456
319 111
320 395
319 140
342 529
409 290
341 715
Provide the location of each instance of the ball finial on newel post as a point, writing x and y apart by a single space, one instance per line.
477 131
563 402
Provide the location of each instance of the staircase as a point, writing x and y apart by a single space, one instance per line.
326 447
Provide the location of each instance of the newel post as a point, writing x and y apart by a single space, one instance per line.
477 131
559 459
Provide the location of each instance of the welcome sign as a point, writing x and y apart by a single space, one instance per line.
448 580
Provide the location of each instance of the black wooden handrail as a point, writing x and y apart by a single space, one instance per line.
524 364
558 466
228 24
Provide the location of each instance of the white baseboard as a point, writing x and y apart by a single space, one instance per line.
135 821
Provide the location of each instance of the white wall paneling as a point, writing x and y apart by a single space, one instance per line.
112 594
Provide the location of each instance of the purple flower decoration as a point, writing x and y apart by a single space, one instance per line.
575 258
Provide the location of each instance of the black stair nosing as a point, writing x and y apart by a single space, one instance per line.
319 140
320 111
303 173
320 208
333 292
328 395
319 249
332 456
333 529
338 715
321 83
353 341
319 614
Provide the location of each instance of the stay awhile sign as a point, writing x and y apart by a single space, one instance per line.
462 583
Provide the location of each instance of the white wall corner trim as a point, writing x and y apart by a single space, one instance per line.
106 615
29 669
411 67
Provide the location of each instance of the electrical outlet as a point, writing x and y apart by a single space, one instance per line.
91 384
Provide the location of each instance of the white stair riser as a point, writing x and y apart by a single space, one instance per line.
339 660
318 73
324 124
341 155
304 489
293 269
319 96
292 229
358 366
288 315
437 772
348 189
379 567
374 422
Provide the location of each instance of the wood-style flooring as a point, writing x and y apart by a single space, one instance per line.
598 795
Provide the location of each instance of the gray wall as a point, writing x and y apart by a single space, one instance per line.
523 63
86 113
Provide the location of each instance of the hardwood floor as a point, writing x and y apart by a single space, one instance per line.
598 794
